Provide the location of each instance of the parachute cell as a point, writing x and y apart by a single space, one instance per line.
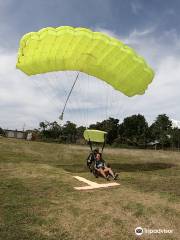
80 49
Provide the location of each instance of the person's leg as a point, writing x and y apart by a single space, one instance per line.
115 176
101 171
110 171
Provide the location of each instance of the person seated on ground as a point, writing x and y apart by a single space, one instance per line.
103 169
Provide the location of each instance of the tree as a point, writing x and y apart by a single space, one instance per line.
134 130
161 130
111 126
1 131
43 125
69 132
175 137
55 130
50 130
79 132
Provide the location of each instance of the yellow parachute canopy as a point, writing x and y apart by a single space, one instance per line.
80 49
94 135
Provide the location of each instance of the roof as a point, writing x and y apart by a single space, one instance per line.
10 130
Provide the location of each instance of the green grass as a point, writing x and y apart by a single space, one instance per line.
38 201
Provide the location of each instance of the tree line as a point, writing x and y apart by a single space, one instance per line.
134 131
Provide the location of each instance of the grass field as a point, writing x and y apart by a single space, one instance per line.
38 201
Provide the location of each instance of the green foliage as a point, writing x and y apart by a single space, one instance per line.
111 126
79 133
50 130
134 130
161 130
175 137
69 132
1 131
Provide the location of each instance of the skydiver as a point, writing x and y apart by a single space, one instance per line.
103 169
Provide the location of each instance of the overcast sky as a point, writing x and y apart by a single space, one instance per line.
151 27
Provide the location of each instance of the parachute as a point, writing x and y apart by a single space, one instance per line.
80 49
95 135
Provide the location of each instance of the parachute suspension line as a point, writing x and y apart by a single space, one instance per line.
64 108
86 109
107 102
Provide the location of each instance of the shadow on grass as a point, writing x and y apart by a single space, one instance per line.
123 167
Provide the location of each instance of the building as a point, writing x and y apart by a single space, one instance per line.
15 134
